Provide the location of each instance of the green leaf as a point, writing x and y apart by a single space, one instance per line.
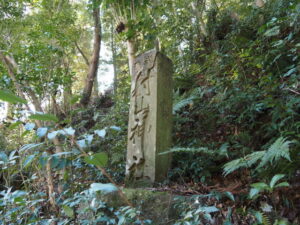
29 146
75 99
115 128
272 32
253 192
100 133
260 186
11 98
229 195
207 209
29 126
28 160
14 125
41 131
44 117
259 216
282 184
98 159
68 211
276 178
52 135
290 72
3 157
69 131
105 188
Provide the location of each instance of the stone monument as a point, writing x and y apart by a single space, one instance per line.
150 119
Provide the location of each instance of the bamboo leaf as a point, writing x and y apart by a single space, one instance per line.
44 117
11 98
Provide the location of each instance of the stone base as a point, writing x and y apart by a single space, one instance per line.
156 206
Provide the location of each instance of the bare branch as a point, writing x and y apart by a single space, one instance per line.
82 54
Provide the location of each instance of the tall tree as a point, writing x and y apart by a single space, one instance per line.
94 62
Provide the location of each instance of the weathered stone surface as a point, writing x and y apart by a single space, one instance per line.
150 120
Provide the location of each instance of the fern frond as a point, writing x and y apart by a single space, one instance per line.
244 162
189 150
182 103
233 166
279 149
265 219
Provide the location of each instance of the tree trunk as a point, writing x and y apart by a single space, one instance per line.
67 96
96 87
131 48
114 60
93 65
198 8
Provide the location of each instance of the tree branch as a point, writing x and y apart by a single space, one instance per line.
82 54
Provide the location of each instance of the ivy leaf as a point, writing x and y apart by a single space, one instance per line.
41 131
52 135
89 138
29 126
69 131
11 98
98 159
44 117
100 133
82 143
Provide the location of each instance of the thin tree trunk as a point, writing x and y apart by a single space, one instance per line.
96 87
114 59
131 48
93 67
198 8
67 96
49 178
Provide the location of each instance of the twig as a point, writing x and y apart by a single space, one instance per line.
291 90
82 54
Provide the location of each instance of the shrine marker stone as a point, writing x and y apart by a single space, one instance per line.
150 119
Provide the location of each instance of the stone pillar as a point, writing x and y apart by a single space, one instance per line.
150 119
